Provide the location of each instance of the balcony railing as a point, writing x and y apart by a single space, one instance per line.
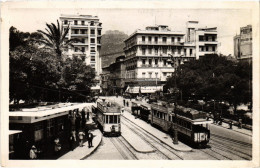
159 43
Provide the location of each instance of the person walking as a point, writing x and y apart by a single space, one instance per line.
127 103
88 114
124 101
33 153
81 137
90 138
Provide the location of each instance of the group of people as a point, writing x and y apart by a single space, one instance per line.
78 128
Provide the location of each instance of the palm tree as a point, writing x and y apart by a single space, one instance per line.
55 38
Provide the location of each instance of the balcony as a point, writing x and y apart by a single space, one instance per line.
80 44
79 35
160 43
78 26
208 42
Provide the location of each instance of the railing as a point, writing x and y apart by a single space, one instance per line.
160 43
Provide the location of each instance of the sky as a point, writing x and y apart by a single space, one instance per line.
127 20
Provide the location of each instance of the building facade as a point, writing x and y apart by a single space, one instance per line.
243 44
87 30
201 40
113 77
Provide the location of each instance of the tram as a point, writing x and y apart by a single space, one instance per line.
192 125
108 118
141 110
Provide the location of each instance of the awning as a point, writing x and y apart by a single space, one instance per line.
144 89
11 132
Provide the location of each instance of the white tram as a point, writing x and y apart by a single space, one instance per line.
191 124
108 118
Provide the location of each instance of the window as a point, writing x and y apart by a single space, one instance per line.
92 49
143 61
91 23
92 31
143 38
179 50
201 38
150 51
150 39
65 22
173 39
99 32
75 22
82 31
164 62
76 31
164 39
76 49
207 48
92 40
156 51
213 38
150 74
156 74
190 51
179 39
164 50
83 40
184 51
143 51
143 75
213 48
82 22
150 61
50 128
83 49
164 73
156 61
207 38
156 39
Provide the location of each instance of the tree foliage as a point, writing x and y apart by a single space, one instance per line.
38 74
214 77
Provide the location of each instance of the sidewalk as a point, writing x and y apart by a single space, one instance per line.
81 153
235 128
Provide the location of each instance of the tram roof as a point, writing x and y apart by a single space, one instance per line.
141 103
190 113
48 110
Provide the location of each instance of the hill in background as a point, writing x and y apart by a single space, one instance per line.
112 43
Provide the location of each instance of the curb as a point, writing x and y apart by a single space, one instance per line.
94 149
135 148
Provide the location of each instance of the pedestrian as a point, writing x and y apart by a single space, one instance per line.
73 132
88 114
127 103
124 101
83 118
33 153
71 142
230 124
77 122
90 138
81 138
57 146
240 123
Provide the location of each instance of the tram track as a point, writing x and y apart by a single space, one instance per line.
123 149
152 141
233 141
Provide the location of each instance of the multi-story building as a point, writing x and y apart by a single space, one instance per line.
153 54
201 40
243 44
113 77
87 30
149 54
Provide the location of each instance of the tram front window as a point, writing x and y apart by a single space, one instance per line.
199 128
112 119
